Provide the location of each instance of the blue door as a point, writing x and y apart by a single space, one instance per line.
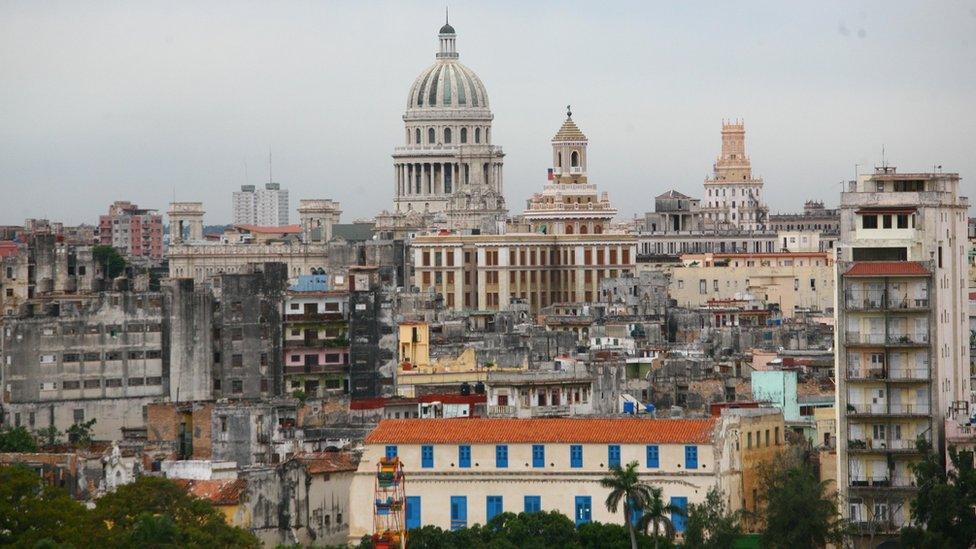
413 512
459 512
691 457
678 519
584 509
533 504
613 455
493 505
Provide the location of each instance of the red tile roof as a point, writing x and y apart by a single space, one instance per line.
218 492
8 248
329 462
557 430
887 268
885 210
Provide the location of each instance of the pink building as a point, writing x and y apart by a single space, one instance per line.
133 231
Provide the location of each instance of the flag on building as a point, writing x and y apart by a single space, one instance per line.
551 176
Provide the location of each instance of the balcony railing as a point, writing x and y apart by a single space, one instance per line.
921 374
916 338
864 300
865 339
882 481
892 339
545 411
502 410
880 373
883 409
906 302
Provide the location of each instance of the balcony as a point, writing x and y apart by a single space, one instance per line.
880 373
885 482
502 410
338 368
550 411
329 316
316 343
882 446
907 303
908 339
864 300
880 339
882 409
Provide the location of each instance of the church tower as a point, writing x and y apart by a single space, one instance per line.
733 197
569 152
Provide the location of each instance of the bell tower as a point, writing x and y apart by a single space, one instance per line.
569 152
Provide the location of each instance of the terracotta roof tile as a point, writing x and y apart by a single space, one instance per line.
556 430
218 492
887 268
329 462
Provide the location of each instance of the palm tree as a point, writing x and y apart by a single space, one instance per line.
656 513
626 486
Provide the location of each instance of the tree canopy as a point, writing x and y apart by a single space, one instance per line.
710 525
17 439
945 503
797 510
151 512
110 260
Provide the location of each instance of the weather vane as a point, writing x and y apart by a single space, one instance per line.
569 112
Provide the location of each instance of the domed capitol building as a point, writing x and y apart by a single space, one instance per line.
448 166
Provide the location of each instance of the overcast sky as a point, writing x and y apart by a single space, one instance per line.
145 101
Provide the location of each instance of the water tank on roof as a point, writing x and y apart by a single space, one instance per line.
465 388
628 407
479 388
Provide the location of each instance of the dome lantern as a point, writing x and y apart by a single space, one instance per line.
448 38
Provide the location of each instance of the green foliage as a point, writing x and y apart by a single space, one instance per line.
300 395
17 439
796 508
49 436
710 525
137 512
33 514
626 487
945 502
615 536
108 257
80 434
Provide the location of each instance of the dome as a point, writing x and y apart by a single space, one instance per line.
447 29
447 84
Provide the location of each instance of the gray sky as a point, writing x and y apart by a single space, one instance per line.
138 100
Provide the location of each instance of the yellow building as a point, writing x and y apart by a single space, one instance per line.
417 370
793 280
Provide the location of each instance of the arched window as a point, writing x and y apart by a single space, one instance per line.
487 135
583 229
431 137
559 160
464 135
477 135
416 138
574 159
598 229
447 135
569 229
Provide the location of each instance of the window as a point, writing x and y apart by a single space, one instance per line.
416 136
412 512
477 135
464 456
584 509
574 159
493 507
459 512
777 436
576 456
902 221
464 135
702 287
427 457
431 138
237 386
391 451
538 455
613 455
678 517
447 135
653 457
501 456
533 504
691 456
869 222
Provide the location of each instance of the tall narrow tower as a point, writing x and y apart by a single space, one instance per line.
733 197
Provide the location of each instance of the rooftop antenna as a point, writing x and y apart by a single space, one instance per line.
270 172
884 162
447 19
245 172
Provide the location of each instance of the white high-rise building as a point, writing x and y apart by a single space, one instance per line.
902 337
266 207
733 197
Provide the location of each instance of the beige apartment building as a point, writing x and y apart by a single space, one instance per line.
792 280
902 338
565 253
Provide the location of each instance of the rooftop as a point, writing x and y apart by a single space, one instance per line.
217 491
887 268
329 462
554 430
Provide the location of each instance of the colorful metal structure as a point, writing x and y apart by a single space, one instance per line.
389 502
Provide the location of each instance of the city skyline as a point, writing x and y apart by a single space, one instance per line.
181 107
